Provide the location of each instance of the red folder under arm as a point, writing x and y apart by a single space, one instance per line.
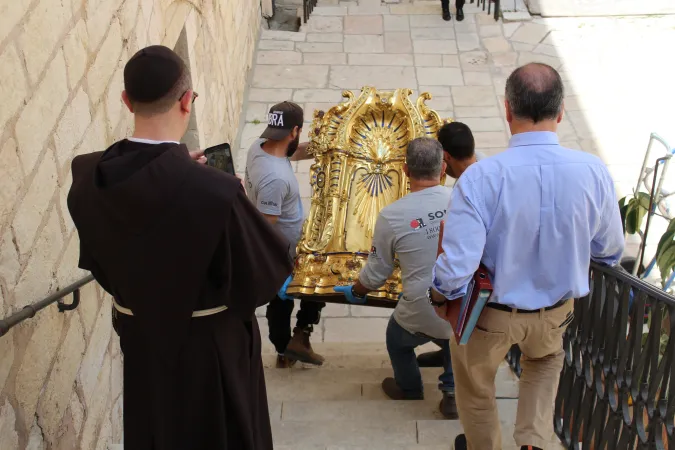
463 312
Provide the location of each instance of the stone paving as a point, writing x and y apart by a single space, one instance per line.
618 75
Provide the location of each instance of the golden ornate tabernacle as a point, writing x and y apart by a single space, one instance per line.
359 148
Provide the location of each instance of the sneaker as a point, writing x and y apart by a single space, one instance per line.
448 406
284 363
431 359
394 392
300 349
460 443
460 14
446 14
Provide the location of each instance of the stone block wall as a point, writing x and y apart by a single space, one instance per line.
61 65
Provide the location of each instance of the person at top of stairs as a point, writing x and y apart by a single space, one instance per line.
409 228
272 187
459 6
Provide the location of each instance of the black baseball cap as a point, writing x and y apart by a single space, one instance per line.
281 120
152 72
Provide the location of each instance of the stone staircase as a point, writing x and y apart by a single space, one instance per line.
341 406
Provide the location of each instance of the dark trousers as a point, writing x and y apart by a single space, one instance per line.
458 4
279 320
401 346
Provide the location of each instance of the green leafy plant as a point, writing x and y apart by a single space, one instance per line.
665 331
633 210
665 252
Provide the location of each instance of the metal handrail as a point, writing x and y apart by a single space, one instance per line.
489 5
57 297
617 385
307 8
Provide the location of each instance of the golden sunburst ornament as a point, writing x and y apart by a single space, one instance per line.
375 190
380 139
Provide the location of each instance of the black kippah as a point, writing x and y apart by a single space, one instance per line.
151 73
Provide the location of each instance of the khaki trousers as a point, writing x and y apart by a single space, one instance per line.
539 335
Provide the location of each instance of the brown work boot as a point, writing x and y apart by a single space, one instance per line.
448 406
300 349
284 363
394 392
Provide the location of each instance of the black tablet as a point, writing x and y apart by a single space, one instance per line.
220 157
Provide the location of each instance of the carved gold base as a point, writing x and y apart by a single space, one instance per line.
317 275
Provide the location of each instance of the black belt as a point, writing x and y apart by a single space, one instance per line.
501 307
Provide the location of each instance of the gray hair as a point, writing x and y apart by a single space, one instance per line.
424 158
535 92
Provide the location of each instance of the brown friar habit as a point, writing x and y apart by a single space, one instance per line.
167 236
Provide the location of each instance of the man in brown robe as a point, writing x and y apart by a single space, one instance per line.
187 259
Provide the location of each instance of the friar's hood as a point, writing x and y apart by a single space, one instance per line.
136 182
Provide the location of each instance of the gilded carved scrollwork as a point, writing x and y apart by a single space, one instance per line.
359 148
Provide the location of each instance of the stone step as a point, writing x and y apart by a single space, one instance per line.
376 361
346 355
377 425
374 446
302 434
329 10
359 410
325 383
282 35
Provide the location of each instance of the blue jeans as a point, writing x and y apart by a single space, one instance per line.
401 346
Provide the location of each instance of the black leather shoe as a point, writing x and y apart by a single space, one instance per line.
460 443
431 359
529 447
394 392
446 14
448 406
460 14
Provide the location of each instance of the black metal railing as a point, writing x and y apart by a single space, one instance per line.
57 297
489 6
616 387
307 8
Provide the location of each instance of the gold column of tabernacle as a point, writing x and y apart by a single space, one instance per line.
319 230
337 181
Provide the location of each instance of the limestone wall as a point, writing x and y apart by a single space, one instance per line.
61 67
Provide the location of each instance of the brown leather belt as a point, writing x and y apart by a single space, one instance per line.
501 307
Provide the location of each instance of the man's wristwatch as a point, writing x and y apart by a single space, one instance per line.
432 301
360 297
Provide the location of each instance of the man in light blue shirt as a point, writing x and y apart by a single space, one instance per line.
534 215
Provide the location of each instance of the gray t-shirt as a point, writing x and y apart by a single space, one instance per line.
271 186
408 229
